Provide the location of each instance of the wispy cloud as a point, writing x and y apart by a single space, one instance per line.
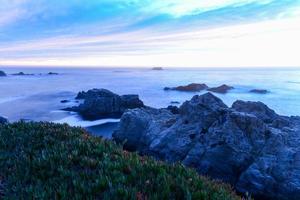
150 32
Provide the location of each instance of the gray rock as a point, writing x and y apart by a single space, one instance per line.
258 109
223 89
193 87
247 145
2 73
102 103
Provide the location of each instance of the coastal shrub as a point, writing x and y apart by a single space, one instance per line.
51 161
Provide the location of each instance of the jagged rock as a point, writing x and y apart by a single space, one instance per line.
258 109
259 91
223 89
3 120
2 73
247 145
173 109
101 103
193 87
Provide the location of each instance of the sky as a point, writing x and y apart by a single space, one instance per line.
144 33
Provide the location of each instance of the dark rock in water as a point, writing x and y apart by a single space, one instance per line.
2 73
247 145
52 73
3 120
259 91
102 103
22 74
193 87
157 68
223 89
64 101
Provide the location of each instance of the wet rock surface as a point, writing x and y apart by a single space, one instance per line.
247 145
102 103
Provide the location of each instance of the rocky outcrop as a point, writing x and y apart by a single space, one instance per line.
3 120
193 87
2 73
247 145
101 103
223 89
22 74
259 91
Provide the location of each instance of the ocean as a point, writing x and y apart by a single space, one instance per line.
37 97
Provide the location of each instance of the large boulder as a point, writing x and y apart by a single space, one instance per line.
102 103
2 73
247 145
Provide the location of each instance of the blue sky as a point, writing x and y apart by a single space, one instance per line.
192 33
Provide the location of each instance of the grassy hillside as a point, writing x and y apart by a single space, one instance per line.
50 161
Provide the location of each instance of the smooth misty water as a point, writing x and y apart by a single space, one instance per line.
38 97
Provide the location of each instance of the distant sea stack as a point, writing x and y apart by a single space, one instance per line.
22 74
223 89
2 73
157 68
193 87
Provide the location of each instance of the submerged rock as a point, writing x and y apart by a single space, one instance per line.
52 73
247 145
102 103
64 101
259 91
2 73
193 87
223 89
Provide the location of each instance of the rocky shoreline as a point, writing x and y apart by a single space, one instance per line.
247 145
